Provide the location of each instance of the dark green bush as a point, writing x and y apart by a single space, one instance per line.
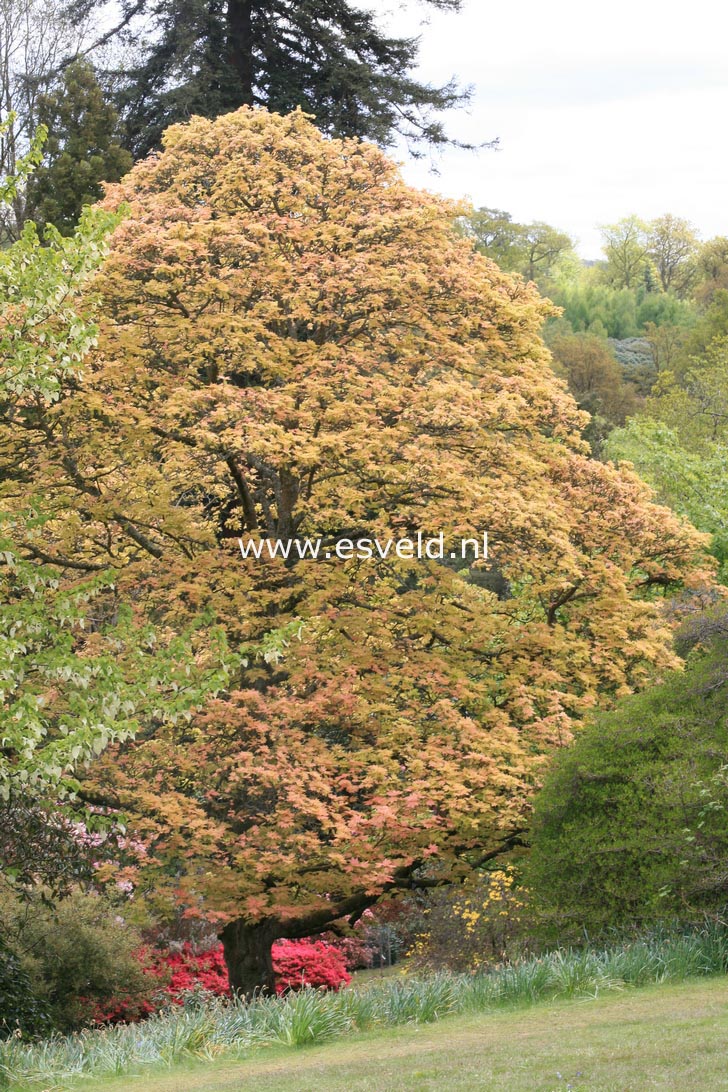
630 827
20 1008
76 955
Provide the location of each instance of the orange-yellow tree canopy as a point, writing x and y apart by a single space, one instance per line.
296 343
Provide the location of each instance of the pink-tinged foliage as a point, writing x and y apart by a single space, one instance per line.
357 951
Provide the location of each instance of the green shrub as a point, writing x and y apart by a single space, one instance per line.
21 1010
630 826
72 956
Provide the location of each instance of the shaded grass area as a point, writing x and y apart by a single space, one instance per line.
666 1038
240 1031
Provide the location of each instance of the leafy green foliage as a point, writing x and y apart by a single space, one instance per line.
43 335
76 955
590 306
679 445
66 696
660 253
21 1010
625 248
62 705
672 247
40 847
76 667
43 341
711 326
535 251
11 183
630 825
692 482
711 272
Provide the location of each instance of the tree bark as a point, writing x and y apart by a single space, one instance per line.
248 956
240 47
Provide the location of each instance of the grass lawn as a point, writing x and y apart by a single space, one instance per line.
666 1037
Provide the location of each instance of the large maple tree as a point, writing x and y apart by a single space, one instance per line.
296 343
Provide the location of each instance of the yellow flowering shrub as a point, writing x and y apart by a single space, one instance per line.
474 924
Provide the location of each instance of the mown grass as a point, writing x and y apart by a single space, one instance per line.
239 1031
665 1038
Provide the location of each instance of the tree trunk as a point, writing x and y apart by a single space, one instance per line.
240 47
248 956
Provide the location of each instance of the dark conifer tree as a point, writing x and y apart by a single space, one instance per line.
328 57
82 151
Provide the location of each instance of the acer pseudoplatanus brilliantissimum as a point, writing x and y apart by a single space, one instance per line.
296 343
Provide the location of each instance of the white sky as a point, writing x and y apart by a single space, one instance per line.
601 110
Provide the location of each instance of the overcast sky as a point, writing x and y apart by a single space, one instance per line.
601 111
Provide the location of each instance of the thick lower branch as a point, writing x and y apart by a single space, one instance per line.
136 536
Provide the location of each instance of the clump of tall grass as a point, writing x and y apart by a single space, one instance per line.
301 1019
236 1029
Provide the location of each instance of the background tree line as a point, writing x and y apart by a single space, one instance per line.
652 307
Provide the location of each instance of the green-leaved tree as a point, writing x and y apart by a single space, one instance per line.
78 668
629 828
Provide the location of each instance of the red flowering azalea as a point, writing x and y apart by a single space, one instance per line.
190 971
300 963
172 975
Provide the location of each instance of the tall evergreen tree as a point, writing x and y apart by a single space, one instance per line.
82 150
328 57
